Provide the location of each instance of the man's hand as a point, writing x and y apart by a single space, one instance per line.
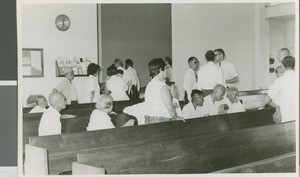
223 109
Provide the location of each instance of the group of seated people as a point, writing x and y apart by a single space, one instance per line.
161 98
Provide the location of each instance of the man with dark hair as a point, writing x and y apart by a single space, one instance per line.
209 75
133 77
190 78
92 88
168 68
282 92
229 70
195 108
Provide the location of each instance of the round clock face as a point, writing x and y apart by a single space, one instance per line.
62 22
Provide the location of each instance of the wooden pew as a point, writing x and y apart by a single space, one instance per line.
62 149
201 154
78 124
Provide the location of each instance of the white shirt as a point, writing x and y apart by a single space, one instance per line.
229 71
138 111
190 112
50 123
153 99
68 89
125 76
99 120
189 82
118 88
92 85
211 107
283 92
234 107
209 75
177 108
169 72
37 109
133 77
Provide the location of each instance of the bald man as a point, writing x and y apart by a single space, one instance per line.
50 121
213 102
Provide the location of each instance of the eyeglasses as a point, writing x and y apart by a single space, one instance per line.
217 54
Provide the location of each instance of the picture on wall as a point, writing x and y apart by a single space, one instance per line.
32 62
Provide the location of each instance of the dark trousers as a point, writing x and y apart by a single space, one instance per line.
186 100
133 93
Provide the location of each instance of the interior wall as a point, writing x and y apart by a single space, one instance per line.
140 32
197 28
290 35
39 31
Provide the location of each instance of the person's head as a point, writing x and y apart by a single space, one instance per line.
288 63
112 70
157 67
197 97
173 89
41 101
193 63
105 103
219 55
233 94
168 61
118 62
128 63
209 56
120 73
218 92
282 53
57 100
93 69
69 73
279 71
123 120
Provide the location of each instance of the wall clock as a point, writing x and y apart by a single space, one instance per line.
62 22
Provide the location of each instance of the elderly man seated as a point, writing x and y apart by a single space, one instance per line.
50 121
232 101
214 103
41 104
195 108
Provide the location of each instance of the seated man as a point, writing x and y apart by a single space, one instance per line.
232 101
194 108
41 104
50 121
99 118
213 102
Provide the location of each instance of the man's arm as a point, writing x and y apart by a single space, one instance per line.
233 80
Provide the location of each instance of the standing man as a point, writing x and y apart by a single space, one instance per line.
133 77
282 92
229 70
119 65
168 68
282 53
209 75
50 121
67 88
190 78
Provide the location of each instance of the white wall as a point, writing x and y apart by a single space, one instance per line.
197 28
290 35
39 31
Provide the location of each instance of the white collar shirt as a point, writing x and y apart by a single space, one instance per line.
190 112
211 107
189 82
117 86
209 75
50 123
92 85
234 107
229 71
99 120
37 109
283 92
133 77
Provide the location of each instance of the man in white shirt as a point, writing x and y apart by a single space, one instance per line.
209 75
119 65
190 78
134 88
229 70
214 101
282 92
232 101
41 104
67 88
50 121
195 109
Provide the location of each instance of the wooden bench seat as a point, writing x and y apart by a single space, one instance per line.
200 154
62 149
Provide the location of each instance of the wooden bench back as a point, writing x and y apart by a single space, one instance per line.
199 154
66 146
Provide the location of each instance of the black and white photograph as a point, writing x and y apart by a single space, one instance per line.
112 88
